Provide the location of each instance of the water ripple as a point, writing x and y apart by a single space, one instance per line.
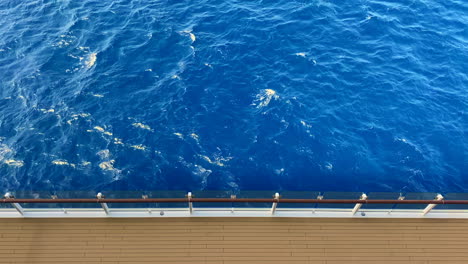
359 96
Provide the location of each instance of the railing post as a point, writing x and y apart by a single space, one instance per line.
400 198
104 205
17 206
359 205
429 207
144 196
233 196
189 197
319 197
275 204
54 196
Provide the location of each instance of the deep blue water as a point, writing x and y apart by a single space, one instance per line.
368 95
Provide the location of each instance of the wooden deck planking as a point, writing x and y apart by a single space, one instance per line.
234 240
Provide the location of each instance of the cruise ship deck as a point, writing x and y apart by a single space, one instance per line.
233 240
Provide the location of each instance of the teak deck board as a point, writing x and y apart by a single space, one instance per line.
234 240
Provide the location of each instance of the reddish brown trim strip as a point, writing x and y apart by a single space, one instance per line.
234 200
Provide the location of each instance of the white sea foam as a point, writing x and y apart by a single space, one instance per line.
45 111
7 151
305 124
138 147
191 35
81 115
4 149
206 158
103 154
65 40
14 163
409 143
76 57
216 162
279 171
91 60
118 141
202 173
102 130
404 140
108 166
301 54
264 97
61 162
63 43
142 126
195 136
76 117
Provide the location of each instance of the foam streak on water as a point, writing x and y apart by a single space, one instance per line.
281 95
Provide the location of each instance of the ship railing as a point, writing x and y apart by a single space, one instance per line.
229 204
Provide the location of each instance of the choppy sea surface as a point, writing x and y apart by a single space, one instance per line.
365 95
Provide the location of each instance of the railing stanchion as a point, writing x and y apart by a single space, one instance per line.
275 203
233 196
189 197
400 198
17 206
104 205
359 205
144 196
54 196
319 197
429 207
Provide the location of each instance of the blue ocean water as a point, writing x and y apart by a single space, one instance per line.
366 95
